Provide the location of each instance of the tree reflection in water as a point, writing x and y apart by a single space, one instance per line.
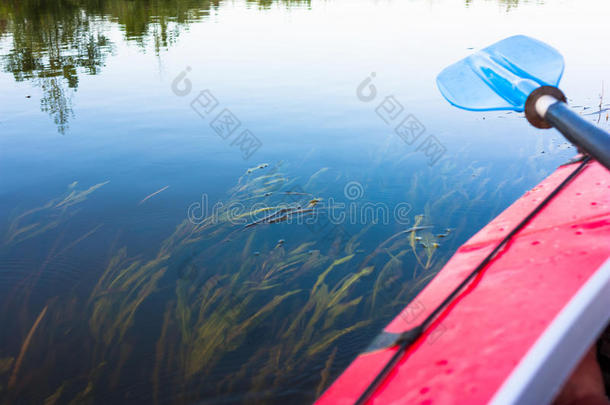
53 42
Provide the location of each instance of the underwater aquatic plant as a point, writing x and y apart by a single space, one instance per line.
215 290
24 348
39 220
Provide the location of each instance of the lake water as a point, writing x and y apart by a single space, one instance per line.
205 201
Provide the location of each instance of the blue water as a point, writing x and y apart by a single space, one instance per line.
118 295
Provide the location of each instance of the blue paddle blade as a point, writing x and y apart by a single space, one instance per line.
501 76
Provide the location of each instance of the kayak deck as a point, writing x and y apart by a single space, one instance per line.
478 340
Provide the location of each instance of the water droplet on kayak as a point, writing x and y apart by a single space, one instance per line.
424 390
578 232
441 363
535 242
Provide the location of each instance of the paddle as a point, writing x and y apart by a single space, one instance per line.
520 73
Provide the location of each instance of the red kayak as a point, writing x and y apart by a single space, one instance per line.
510 315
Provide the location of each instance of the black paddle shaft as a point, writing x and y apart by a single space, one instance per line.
586 136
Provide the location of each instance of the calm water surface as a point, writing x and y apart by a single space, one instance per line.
127 272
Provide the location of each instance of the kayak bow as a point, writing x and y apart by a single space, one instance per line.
517 306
